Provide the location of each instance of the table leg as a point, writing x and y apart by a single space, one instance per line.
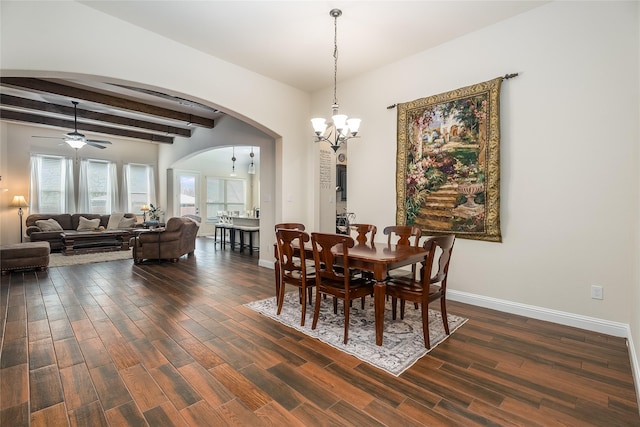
379 291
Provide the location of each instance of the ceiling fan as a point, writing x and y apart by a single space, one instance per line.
75 139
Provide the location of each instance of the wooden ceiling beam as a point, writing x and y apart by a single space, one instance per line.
69 124
30 104
45 86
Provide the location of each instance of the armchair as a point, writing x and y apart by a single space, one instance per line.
177 239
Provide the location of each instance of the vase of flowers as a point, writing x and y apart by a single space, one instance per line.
155 212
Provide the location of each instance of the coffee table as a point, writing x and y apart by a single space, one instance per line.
82 242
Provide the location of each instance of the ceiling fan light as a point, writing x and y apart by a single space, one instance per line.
75 143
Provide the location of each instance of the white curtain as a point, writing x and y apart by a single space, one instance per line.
131 183
112 190
84 198
65 203
124 196
83 187
34 189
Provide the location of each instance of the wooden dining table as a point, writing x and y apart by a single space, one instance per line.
378 259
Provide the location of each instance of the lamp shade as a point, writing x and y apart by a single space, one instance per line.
144 208
75 143
19 202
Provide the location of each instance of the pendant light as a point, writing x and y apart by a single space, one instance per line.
233 162
340 128
252 167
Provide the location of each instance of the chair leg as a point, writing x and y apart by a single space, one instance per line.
443 311
316 310
394 307
335 305
401 308
303 291
277 274
346 322
425 325
362 303
280 298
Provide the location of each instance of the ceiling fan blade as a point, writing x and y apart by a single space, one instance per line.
93 144
98 141
47 137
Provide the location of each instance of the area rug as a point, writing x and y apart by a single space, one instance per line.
60 260
403 343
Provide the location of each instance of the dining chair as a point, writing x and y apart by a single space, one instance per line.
366 233
293 267
290 226
401 235
429 287
287 226
330 277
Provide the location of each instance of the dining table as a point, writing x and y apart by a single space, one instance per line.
379 259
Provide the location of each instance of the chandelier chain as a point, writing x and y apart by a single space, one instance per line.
335 59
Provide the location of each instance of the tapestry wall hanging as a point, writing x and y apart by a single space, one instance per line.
448 163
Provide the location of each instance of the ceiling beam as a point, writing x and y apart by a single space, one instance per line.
69 124
45 86
30 104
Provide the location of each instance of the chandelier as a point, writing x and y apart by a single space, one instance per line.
340 128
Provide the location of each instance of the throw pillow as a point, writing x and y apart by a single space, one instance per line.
127 223
49 225
88 224
114 220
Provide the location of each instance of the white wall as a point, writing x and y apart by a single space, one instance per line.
112 50
569 154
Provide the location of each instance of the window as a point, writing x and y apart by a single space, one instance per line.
224 195
98 192
51 189
138 187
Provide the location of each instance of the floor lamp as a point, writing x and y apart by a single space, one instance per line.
19 202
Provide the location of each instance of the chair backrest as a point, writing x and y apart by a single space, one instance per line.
291 258
290 226
329 266
443 245
366 232
404 234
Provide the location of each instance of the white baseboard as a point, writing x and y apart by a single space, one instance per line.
569 319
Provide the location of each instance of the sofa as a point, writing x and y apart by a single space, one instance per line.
41 228
176 239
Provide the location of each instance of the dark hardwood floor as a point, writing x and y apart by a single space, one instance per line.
167 344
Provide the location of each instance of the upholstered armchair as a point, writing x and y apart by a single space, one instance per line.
177 239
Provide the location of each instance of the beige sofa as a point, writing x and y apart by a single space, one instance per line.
68 222
178 238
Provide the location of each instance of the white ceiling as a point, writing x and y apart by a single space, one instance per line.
292 41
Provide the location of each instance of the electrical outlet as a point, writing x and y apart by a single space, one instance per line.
596 292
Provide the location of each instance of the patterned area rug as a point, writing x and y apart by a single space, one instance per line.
60 260
402 345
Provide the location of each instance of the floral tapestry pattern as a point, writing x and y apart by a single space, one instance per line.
448 165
